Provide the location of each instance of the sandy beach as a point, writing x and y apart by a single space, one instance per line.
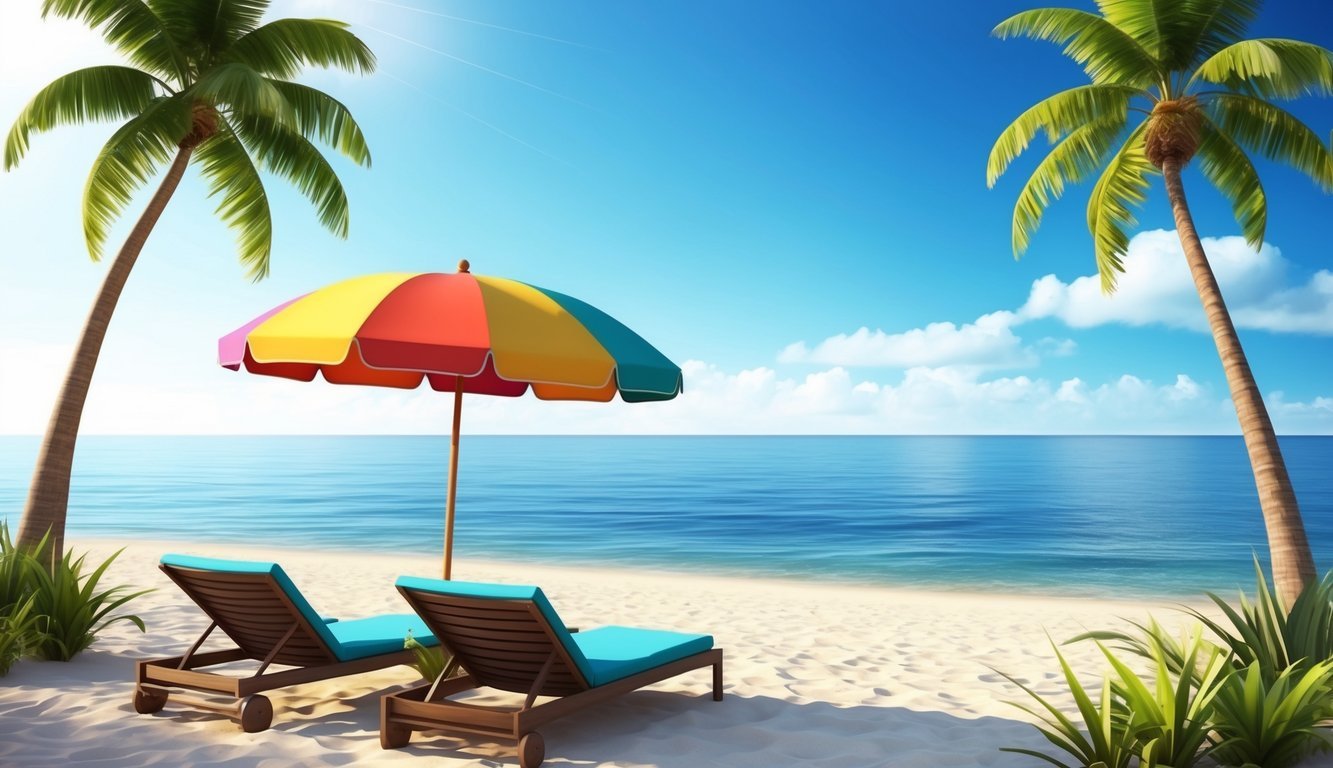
817 674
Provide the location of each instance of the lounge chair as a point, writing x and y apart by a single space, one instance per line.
259 608
510 638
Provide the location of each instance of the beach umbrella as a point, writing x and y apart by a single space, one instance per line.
461 333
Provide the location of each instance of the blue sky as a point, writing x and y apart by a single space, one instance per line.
746 184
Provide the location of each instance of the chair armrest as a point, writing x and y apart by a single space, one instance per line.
329 619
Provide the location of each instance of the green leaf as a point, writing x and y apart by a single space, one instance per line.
243 91
281 48
1227 167
132 27
1272 132
243 203
1272 68
1058 115
1105 52
209 26
320 116
84 95
1122 186
1074 159
127 161
289 155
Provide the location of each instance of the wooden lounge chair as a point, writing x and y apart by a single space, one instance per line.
510 638
259 608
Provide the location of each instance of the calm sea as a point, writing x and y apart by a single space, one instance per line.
1141 516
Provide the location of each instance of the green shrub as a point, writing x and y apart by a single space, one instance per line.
15 584
18 633
1103 739
1262 633
1168 720
73 611
1271 725
430 660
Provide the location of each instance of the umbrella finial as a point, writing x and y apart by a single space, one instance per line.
463 265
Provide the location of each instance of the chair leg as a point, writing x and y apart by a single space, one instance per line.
147 701
717 680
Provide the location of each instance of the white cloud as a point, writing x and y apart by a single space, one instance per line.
1157 289
989 342
921 400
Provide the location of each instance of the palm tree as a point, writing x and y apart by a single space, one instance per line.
209 84
1171 81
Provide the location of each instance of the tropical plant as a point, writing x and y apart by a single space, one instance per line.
1172 81
430 661
1102 740
1265 634
72 610
1262 724
19 631
1169 720
208 84
14 563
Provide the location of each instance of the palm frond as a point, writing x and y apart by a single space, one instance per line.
1058 115
1122 186
1165 29
288 154
127 161
1272 68
1106 53
281 48
84 95
210 25
320 116
1074 159
1218 23
1273 132
243 203
1227 167
132 27
244 91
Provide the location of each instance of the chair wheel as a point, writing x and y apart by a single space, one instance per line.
531 750
256 714
147 702
394 736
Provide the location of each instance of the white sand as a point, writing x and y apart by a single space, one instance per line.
816 674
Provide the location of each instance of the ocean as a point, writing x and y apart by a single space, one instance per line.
1087 516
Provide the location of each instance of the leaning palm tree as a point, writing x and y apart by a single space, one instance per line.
1172 81
209 84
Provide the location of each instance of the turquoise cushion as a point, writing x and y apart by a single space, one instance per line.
328 630
615 653
379 634
505 592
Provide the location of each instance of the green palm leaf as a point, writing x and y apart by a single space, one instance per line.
281 48
128 160
1274 133
1218 24
132 27
244 91
1074 159
243 203
1227 167
1058 115
320 116
1122 186
85 95
1104 51
210 25
1272 69
289 155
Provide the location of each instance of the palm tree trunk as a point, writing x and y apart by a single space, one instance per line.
48 497
1293 564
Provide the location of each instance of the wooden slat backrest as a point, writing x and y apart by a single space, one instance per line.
502 643
255 613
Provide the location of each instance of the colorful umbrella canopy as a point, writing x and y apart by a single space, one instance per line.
459 332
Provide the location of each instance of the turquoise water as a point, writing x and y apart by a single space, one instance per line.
1161 516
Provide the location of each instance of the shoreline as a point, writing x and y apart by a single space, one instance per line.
838 675
702 571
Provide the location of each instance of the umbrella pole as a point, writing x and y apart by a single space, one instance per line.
453 482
